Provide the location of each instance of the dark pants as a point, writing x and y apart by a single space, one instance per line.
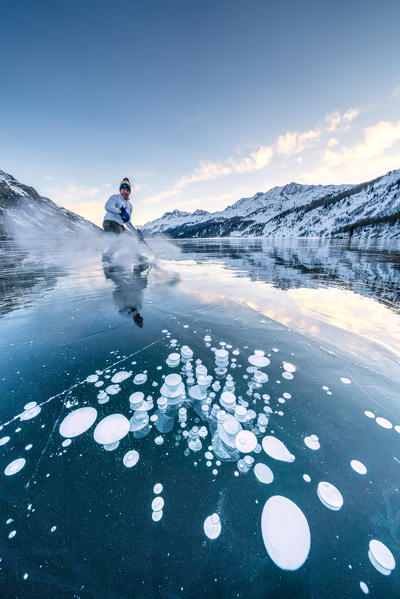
110 226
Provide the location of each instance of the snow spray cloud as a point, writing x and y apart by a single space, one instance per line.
58 239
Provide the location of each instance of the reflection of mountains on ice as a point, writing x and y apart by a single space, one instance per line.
22 277
369 269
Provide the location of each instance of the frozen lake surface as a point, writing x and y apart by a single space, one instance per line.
223 423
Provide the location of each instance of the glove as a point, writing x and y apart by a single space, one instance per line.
125 215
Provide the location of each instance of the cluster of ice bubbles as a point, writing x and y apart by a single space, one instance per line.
235 431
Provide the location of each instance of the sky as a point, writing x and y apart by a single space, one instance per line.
198 103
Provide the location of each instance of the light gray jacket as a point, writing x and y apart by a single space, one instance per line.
113 208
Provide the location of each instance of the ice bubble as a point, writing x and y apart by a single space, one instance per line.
383 422
131 458
15 466
358 467
157 489
121 376
111 430
28 447
156 516
286 395
369 414
53 528
288 367
228 427
113 389
287 375
276 449
77 422
329 495
197 393
102 395
397 428
157 504
364 588
31 413
307 478
30 405
136 400
93 378
246 441
381 557
212 526
159 440
186 352
140 379
215 472
227 400
311 443
260 377
173 360
345 380
263 473
12 534
325 388
240 413
4 440
99 384
259 361
66 442
173 381
285 533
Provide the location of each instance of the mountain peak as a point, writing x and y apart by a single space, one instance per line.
292 188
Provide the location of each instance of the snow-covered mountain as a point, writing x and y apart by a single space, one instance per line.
370 209
21 205
176 218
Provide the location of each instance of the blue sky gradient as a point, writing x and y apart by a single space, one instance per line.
95 91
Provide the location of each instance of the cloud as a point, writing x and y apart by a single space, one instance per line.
294 142
291 143
351 114
76 193
208 171
367 158
335 119
332 142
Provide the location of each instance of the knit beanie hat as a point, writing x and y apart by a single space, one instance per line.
125 184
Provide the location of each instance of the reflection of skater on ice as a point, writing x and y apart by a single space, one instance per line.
129 288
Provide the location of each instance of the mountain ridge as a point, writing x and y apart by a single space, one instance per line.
297 210
21 204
